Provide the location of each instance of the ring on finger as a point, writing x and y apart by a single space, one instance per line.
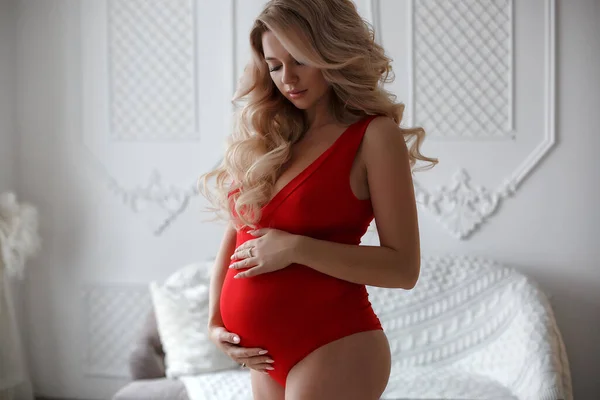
243 365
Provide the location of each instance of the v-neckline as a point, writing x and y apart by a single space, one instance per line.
296 180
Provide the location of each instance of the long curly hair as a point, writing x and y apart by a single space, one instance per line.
331 36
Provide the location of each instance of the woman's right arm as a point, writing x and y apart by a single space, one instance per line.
228 342
220 268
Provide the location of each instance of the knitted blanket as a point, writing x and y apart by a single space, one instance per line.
470 329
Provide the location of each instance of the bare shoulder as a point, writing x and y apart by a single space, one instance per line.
383 135
383 123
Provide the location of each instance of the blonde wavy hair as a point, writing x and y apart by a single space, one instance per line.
329 35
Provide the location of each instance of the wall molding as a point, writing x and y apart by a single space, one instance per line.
142 62
473 205
113 316
172 201
461 207
461 69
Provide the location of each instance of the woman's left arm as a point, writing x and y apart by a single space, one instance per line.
395 263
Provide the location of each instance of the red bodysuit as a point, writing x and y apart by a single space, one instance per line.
294 311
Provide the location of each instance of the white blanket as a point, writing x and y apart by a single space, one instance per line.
471 329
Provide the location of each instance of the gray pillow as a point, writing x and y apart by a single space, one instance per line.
147 360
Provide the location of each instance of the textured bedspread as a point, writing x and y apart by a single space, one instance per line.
471 329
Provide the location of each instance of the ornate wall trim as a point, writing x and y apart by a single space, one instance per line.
462 207
171 201
113 316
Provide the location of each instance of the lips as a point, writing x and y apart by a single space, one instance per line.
296 94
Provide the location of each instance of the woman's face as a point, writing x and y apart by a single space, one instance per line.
304 86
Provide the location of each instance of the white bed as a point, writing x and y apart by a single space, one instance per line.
471 329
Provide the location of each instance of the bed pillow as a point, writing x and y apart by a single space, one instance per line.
181 309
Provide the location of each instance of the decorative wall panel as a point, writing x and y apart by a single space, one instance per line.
114 317
157 83
479 77
152 56
463 67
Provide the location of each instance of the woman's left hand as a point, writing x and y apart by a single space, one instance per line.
271 251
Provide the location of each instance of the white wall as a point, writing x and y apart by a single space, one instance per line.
100 210
551 228
7 95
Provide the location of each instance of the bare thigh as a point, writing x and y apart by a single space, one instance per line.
265 388
356 367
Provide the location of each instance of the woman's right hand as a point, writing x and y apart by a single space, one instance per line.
254 358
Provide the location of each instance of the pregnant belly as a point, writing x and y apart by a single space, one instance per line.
284 302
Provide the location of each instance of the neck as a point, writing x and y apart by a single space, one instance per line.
320 115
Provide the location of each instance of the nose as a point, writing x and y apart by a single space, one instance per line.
289 75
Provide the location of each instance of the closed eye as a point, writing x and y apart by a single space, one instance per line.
278 67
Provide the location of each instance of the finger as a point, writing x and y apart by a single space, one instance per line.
265 361
245 246
261 367
246 263
240 254
247 354
254 271
229 337
259 232
258 362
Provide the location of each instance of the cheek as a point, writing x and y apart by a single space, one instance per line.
276 82
315 77
319 83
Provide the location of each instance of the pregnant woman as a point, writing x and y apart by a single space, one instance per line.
316 154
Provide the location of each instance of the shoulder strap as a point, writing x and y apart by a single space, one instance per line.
347 152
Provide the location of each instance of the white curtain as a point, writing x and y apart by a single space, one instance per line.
14 382
18 241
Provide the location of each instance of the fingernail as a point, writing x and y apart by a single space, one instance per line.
236 339
236 276
270 368
270 361
262 352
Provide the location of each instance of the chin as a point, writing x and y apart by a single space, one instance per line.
302 104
